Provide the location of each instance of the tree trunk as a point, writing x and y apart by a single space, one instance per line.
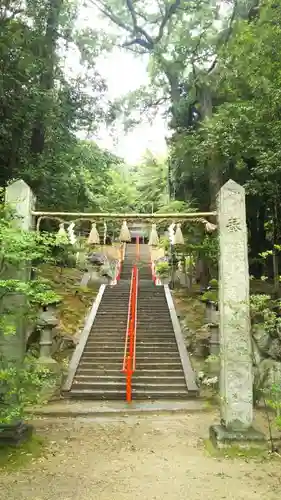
274 251
206 106
48 54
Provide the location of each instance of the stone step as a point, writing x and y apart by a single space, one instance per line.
109 339
109 365
103 328
105 343
90 350
158 348
107 318
118 342
118 314
121 384
158 334
137 379
150 365
115 373
141 337
150 343
115 293
154 329
140 348
142 354
157 306
155 321
109 394
103 354
141 359
147 317
157 358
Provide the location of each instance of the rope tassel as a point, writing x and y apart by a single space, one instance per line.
93 238
153 237
178 236
125 233
210 228
71 235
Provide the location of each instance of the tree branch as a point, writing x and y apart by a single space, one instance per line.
169 12
133 14
128 47
146 19
222 40
145 39
138 41
108 12
138 29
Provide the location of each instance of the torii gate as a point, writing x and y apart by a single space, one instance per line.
236 389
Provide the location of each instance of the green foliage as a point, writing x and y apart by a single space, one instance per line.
264 310
20 383
214 71
151 178
21 386
63 253
164 243
162 269
274 402
13 458
214 284
174 206
44 106
209 249
210 296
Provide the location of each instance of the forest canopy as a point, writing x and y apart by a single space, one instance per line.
214 71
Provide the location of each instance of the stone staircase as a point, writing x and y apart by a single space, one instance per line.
99 371
160 372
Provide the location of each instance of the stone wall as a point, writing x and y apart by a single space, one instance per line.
266 359
266 354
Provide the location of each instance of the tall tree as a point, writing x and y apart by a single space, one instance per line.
151 180
244 131
183 39
42 107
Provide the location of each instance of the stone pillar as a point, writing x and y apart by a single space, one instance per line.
236 378
21 199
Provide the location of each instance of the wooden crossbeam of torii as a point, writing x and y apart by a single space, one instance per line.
197 217
127 216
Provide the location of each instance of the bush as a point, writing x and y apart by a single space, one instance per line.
210 296
22 386
162 269
21 380
214 284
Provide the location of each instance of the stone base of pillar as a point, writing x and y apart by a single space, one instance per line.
223 438
15 434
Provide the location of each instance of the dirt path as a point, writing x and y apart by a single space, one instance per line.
147 458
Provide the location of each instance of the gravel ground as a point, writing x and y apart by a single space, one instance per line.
148 458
